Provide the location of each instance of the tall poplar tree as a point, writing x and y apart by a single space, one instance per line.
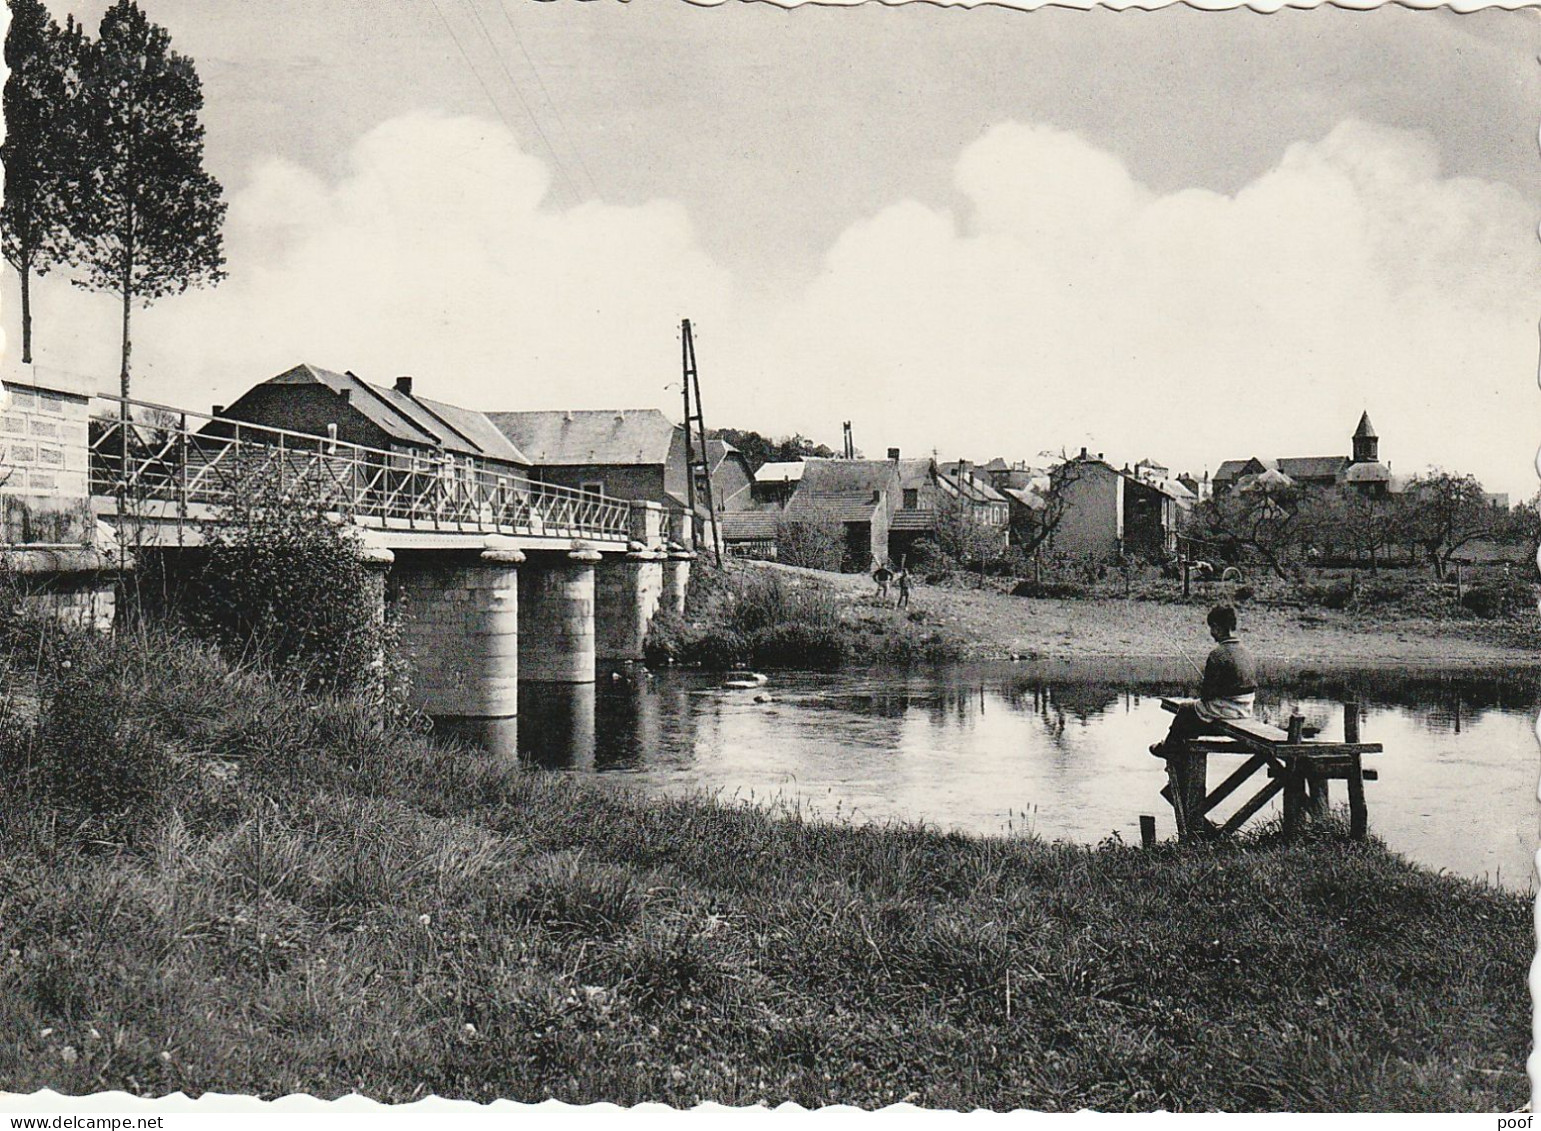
150 223
41 167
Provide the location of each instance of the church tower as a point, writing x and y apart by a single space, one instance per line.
1366 442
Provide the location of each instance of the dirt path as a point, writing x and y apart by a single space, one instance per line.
998 625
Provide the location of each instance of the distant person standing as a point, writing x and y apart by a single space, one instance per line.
1228 689
882 576
904 589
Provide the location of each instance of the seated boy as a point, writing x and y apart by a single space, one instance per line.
1230 684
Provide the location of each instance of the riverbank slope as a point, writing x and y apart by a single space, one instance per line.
212 882
991 624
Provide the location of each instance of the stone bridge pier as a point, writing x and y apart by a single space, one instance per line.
479 622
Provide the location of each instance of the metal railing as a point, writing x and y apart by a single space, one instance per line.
166 455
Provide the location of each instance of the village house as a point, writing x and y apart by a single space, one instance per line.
1104 512
774 482
1362 469
621 453
988 509
732 481
858 494
396 419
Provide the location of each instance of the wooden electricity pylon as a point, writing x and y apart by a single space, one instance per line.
696 456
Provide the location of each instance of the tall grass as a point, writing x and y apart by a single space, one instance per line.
746 615
317 898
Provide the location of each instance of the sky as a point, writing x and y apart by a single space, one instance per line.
1188 236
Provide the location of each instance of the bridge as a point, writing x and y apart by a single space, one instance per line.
506 579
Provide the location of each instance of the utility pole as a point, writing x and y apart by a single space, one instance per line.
850 443
693 461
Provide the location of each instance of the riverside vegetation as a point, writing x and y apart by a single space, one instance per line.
751 613
213 879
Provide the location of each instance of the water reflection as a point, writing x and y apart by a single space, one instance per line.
973 747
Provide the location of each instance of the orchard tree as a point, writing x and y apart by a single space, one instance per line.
151 220
40 152
1447 511
1264 519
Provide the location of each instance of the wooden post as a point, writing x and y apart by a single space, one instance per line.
1188 772
1297 726
1186 590
1147 831
1294 796
1318 792
1350 720
1358 816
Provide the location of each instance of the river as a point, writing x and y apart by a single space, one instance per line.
1057 750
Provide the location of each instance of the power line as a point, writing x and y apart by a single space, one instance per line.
514 85
555 112
493 102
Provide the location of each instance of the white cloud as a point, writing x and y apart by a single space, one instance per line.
434 255
1061 303
1064 303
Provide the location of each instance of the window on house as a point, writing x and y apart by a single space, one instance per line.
595 486
911 498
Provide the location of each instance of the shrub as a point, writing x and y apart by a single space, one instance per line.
1486 601
799 645
669 637
813 542
282 582
1335 595
769 599
926 557
718 650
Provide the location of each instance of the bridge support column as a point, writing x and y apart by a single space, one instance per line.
676 578
627 593
462 632
557 595
628 590
676 570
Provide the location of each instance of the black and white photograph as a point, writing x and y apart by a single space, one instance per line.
912 557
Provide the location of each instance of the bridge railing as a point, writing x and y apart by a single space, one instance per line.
164 455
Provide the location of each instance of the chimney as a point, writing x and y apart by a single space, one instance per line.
1099 455
893 454
1083 453
404 385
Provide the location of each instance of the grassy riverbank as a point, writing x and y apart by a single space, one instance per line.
989 623
209 881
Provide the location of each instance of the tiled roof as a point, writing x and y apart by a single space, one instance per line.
575 437
829 476
748 526
1028 498
1313 467
916 519
838 506
1234 467
412 420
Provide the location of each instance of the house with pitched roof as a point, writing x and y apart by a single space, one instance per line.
859 494
623 453
321 402
1106 512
